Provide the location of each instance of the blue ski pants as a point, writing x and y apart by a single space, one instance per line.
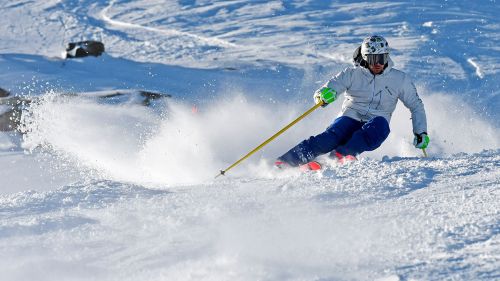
346 136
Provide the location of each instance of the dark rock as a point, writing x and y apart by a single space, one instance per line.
9 120
84 49
4 93
12 107
150 96
124 96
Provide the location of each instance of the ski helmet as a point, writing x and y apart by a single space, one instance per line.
374 45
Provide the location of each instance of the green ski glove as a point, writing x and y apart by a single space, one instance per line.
325 94
421 140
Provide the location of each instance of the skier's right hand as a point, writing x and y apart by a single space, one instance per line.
325 95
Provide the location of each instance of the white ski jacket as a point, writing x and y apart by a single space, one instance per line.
368 96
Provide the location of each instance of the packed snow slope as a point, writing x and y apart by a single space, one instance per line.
109 189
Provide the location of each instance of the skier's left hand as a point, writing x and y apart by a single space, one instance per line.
421 140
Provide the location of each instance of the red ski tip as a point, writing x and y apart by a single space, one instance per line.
342 159
281 165
311 166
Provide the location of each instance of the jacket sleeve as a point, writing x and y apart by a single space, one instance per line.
340 82
412 101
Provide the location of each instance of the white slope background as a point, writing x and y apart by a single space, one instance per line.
102 191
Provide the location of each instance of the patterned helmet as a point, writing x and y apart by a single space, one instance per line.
374 45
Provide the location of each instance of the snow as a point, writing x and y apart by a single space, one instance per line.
108 189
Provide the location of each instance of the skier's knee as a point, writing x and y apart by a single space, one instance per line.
375 132
322 143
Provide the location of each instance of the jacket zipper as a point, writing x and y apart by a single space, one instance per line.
373 96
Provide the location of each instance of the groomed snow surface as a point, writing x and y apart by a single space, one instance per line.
110 189
424 219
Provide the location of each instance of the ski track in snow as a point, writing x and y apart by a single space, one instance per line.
479 72
170 32
95 190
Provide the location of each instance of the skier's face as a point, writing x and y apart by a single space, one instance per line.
376 68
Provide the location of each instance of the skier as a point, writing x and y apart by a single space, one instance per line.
372 89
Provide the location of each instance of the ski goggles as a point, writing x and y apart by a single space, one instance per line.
374 59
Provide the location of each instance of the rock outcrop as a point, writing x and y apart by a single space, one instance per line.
84 49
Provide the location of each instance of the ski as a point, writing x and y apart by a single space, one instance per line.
311 166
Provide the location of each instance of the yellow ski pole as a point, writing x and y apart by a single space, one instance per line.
223 172
425 153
